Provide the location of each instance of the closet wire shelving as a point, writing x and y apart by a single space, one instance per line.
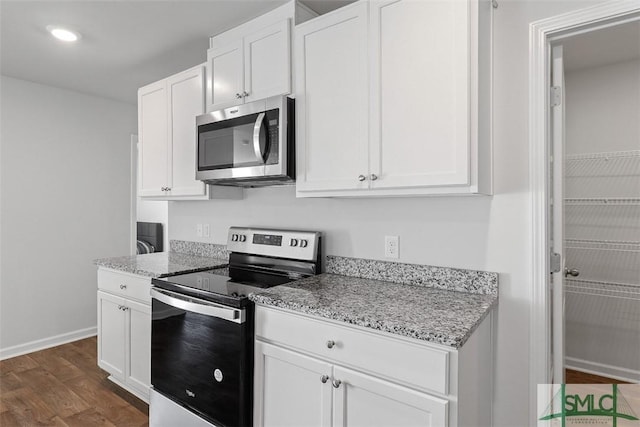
602 217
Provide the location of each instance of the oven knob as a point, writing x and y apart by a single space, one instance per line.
303 243
293 242
234 237
243 238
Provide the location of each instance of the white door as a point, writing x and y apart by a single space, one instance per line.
267 62
224 76
420 112
291 390
153 153
111 334
364 401
557 214
186 101
138 346
332 128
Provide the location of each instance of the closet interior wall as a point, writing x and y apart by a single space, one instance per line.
602 220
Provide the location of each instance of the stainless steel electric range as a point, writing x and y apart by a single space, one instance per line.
202 328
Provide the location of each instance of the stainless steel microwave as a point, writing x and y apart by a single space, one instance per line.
250 145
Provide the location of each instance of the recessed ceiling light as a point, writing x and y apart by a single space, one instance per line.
63 33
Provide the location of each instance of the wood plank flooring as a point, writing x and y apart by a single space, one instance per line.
63 386
577 377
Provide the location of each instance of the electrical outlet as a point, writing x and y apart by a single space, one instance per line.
391 246
206 231
199 230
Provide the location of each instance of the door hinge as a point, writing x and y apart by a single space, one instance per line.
555 262
556 96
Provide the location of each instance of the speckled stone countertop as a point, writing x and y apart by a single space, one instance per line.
429 314
161 264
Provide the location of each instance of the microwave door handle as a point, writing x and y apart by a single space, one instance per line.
257 127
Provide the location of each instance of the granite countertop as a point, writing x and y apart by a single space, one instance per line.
429 314
161 264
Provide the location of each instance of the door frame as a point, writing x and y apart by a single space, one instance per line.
542 33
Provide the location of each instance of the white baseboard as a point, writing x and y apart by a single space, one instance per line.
30 347
615 372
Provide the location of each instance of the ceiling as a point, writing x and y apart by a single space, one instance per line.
602 47
124 44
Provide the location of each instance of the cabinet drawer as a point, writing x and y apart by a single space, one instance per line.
124 284
395 358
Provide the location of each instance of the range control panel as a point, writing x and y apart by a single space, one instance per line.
293 244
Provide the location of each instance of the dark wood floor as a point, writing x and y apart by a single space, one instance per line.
577 377
63 386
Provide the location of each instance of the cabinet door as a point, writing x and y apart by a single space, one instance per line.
224 76
267 62
363 400
332 101
186 101
420 93
111 335
289 390
138 346
153 145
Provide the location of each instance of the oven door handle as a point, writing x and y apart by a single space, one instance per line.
199 306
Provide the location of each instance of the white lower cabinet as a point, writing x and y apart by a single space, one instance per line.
285 377
124 330
364 400
314 372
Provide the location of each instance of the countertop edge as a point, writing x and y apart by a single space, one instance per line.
455 344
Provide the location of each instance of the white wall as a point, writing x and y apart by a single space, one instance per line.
65 198
482 233
603 108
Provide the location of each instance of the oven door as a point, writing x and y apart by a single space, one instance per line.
202 356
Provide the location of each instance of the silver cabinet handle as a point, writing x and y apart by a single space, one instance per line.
168 188
123 286
336 383
374 177
571 272
324 378
163 189
125 308
361 178
238 96
245 94
330 344
119 307
199 306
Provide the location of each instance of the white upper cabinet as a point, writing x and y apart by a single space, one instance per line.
224 76
332 101
421 125
167 113
153 145
256 66
420 93
267 62
253 61
186 101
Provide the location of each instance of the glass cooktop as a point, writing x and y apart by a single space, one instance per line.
227 286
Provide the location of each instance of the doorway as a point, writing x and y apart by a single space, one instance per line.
600 205
547 339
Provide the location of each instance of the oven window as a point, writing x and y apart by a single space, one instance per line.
230 143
